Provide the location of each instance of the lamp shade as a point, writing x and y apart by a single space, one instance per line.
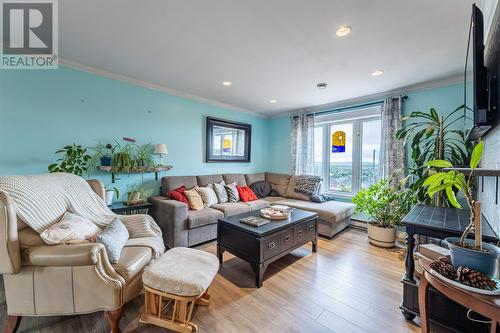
161 149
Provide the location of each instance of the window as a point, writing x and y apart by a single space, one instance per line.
346 149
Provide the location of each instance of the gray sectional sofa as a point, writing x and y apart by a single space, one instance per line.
184 227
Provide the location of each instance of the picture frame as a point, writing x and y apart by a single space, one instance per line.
227 141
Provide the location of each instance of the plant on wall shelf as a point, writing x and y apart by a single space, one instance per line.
103 154
74 160
122 159
143 156
433 138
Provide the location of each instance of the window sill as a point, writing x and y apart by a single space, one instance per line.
339 195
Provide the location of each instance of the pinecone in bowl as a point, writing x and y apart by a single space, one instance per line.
475 278
445 259
444 268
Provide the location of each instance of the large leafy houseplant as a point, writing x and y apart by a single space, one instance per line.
74 160
386 202
385 205
432 137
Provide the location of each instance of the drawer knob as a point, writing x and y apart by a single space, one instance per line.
287 238
311 228
271 245
299 233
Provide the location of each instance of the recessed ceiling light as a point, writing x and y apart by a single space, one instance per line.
226 83
343 30
273 101
322 85
377 72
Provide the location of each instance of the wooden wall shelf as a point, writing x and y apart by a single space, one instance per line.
480 172
477 172
149 169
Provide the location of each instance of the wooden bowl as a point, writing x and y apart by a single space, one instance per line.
275 213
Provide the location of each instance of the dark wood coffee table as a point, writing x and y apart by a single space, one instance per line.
260 246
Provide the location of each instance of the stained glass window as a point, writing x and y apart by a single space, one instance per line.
338 142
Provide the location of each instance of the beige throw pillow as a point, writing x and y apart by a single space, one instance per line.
207 195
72 228
194 199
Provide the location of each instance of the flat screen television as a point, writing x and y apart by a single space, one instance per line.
479 116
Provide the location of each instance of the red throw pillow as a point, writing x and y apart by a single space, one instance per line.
246 194
178 194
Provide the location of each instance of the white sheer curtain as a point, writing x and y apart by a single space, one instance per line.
302 144
392 151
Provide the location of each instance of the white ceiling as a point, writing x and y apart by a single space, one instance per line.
269 49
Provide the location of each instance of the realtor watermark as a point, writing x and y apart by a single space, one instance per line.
29 32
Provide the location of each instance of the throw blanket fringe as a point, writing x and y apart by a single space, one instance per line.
42 200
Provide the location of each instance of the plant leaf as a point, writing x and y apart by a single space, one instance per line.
434 179
477 154
439 164
453 199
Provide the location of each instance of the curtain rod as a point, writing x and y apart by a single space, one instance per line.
353 107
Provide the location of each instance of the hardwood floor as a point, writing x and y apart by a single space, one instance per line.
348 286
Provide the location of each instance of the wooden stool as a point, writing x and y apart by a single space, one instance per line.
173 284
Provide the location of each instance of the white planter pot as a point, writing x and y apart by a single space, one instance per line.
381 237
109 197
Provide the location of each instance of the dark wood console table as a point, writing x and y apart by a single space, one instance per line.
436 222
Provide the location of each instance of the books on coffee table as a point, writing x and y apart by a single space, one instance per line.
254 221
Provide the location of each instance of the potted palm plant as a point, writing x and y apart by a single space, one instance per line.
386 202
464 252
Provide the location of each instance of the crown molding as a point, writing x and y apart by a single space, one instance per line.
123 78
442 82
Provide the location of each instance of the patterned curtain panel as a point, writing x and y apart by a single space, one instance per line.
302 144
392 152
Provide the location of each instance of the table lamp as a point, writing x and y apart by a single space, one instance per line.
161 149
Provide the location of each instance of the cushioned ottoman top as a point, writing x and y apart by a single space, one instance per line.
182 271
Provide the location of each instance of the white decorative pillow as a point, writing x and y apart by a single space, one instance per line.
114 238
220 191
207 195
71 228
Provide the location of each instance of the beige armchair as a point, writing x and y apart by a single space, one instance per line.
43 280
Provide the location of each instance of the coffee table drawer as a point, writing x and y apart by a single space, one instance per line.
304 232
287 239
270 246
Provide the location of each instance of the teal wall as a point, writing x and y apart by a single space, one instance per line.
44 110
445 99
279 145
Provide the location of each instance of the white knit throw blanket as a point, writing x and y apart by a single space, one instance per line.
42 200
